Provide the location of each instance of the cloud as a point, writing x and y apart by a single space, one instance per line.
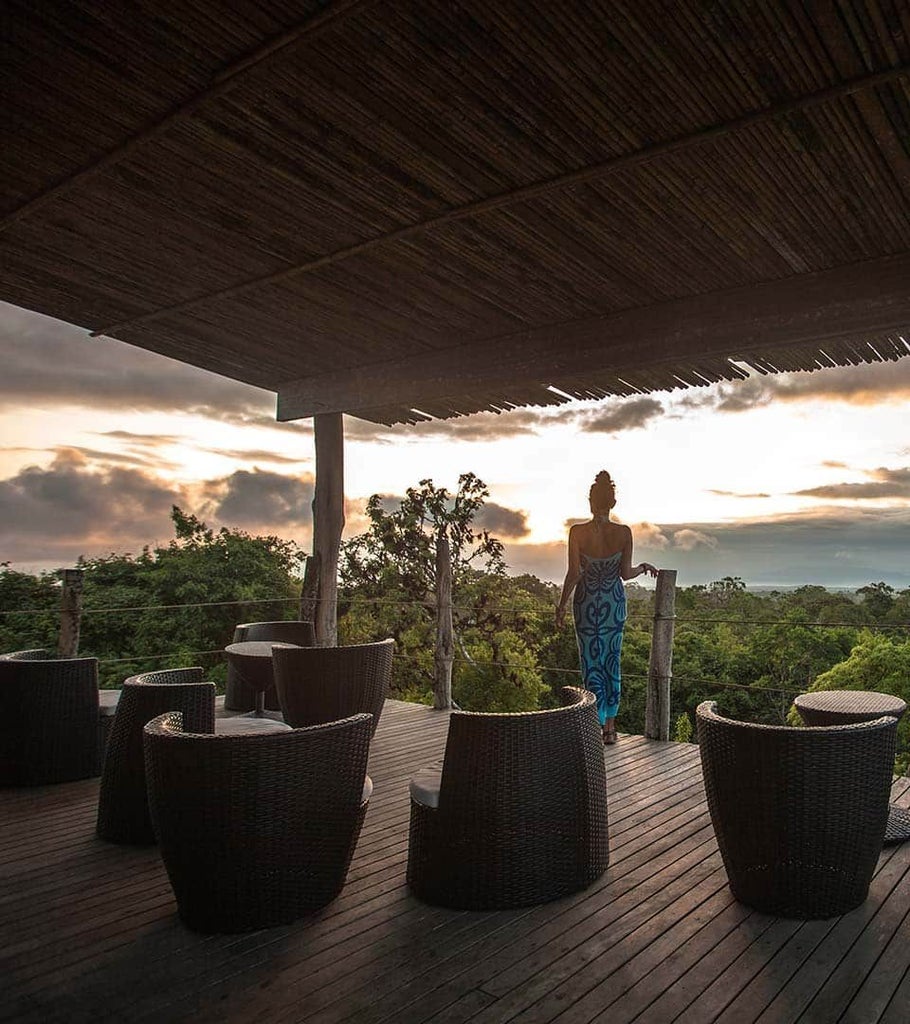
867 384
546 561
831 547
50 516
502 521
118 458
142 440
260 500
481 427
855 492
489 426
497 519
255 455
884 484
95 455
49 362
688 540
650 535
737 494
70 509
620 416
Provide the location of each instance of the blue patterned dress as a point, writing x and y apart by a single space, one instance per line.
599 609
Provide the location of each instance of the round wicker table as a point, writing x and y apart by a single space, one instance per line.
253 661
846 707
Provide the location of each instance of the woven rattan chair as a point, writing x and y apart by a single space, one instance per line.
54 722
518 813
321 684
237 695
123 814
799 814
256 830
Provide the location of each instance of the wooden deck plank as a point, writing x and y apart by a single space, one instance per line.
89 930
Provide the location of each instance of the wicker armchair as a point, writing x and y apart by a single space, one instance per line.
799 814
518 813
54 722
237 695
322 684
257 829
123 814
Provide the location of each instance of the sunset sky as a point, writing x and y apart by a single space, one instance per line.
783 480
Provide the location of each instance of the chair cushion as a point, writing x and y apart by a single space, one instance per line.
107 702
241 724
425 785
367 790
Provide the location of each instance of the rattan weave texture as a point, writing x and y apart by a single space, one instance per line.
322 684
50 726
238 696
522 816
799 814
256 829
123 814
843 707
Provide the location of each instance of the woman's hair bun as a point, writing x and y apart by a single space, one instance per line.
603 491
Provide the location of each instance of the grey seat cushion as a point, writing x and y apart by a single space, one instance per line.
367 789
425 785
107 702
241 724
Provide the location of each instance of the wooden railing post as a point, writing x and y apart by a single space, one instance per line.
657 709
70 613
445 643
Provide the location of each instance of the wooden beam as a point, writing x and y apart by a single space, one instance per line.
328 522
847 302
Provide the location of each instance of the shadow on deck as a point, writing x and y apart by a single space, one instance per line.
89 930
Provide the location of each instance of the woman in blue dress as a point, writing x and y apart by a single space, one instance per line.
600 558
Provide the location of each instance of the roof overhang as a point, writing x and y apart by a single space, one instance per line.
435 209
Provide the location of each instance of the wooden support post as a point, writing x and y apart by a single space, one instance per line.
328 522
657 709
70 613
445 643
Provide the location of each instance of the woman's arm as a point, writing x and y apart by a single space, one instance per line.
627 570
572 574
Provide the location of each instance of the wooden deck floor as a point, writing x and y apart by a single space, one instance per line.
89 930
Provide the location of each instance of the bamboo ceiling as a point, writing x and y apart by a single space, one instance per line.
429 208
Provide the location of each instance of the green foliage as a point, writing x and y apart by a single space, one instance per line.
878 598
31 606
398 549
141 613
498 675
388 576
682 732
